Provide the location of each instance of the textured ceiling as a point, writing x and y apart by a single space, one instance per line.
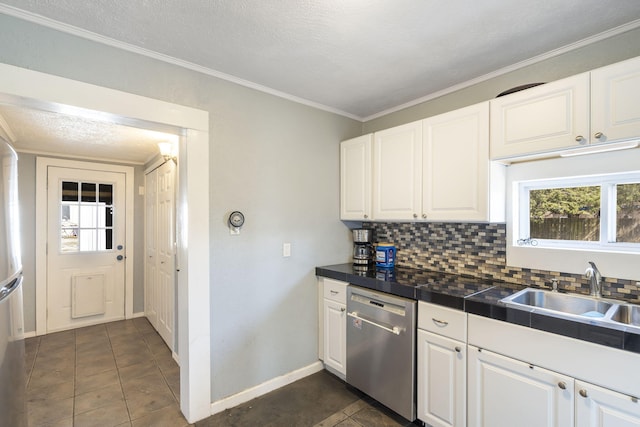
358 57
31 130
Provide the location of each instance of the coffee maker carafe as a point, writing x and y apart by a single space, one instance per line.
363 250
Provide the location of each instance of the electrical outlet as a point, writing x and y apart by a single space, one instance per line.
286 249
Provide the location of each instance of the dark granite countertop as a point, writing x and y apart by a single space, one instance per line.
476 296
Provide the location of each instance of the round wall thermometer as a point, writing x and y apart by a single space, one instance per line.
236 219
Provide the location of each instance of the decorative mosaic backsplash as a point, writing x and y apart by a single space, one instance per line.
480 250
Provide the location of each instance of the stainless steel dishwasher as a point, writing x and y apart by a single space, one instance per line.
381 348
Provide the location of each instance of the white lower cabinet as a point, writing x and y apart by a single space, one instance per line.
600 407
505 392
441 365
333 325
335 338
441 380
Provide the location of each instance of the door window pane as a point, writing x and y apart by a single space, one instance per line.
106 194
88 192
570 213
69 191
628 213
86 216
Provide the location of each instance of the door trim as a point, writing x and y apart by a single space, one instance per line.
51 92
42 166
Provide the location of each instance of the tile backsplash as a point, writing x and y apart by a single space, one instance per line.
479 249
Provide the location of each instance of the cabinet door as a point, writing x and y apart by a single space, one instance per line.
335 336
455 162
441 380
504 392
397 172
355 178
599 407
544 118
615 101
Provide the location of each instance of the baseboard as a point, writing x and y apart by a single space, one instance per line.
138 314
29 334
265 387
175 357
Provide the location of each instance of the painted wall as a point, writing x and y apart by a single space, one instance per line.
275 160
605 52
27 196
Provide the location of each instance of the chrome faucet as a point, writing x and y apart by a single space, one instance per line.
595 280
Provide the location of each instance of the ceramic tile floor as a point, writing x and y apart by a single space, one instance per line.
122 374
319 400
115 374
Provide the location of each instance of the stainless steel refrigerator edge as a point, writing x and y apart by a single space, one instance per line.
381 340
12 373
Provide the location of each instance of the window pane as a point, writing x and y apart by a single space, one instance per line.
69 237
88 192
628 213
571 213
88 240
88 216
106 194
69 191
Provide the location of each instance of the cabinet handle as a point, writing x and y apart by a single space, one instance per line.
458 349
598 135
334 292
562 385
342 309
439 322
415 215
580 139
424 216
583 392
366 216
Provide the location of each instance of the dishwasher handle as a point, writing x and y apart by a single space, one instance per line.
394 330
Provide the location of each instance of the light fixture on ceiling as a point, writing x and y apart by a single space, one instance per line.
168 151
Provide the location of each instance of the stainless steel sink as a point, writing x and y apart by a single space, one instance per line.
574 305
627 314
586 309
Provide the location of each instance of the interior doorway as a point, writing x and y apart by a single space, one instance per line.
53 93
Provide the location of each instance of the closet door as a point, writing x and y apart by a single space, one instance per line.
160 251
150 270
166 252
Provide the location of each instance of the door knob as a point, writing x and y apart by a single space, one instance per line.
119 257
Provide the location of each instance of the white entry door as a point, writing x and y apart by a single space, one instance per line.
160 251
85 247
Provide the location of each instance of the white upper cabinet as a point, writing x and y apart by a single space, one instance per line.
397 172
455 162
591 108
545 118
355 178
615 105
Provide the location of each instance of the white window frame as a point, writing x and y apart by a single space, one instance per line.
613 260
608 231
